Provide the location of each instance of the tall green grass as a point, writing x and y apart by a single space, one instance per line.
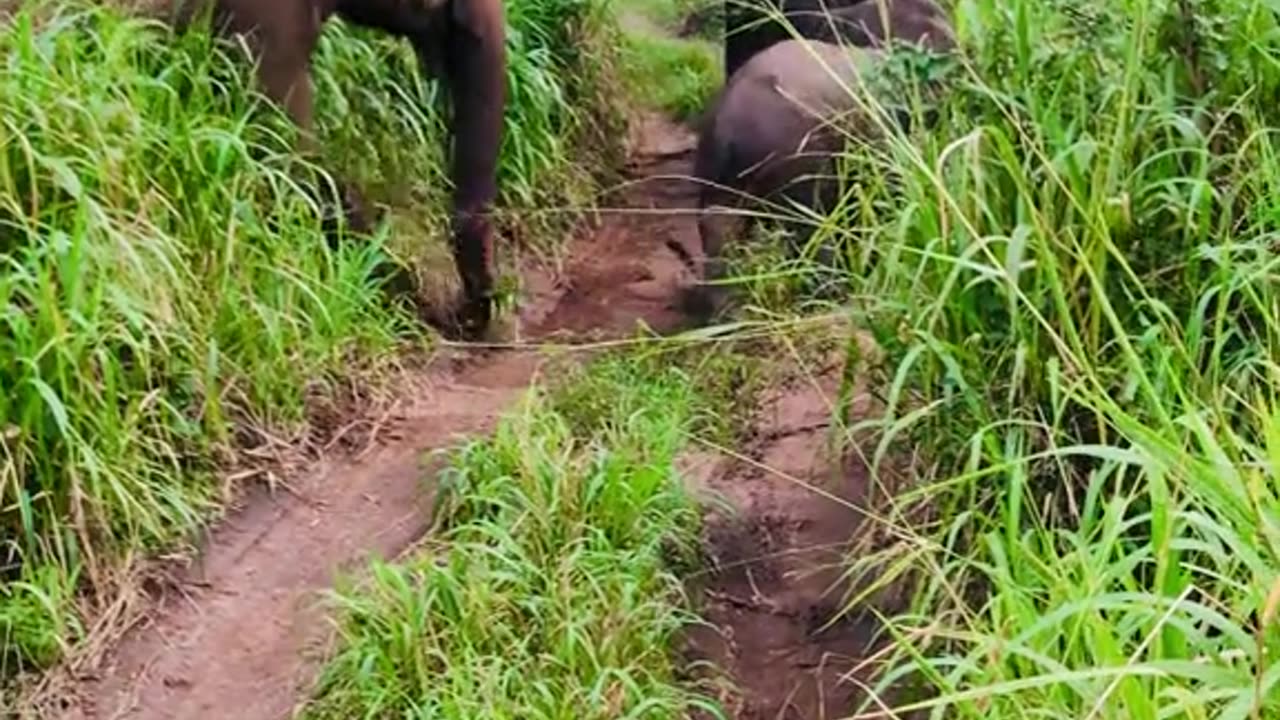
1074 280
548 589
166 295
677 75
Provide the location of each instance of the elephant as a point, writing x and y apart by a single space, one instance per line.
766 138
750 29
769 135
750 26
461 40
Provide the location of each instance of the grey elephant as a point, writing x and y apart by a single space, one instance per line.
773 134
463 40
751 27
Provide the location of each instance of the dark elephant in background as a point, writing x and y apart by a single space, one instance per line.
750 28
461 40
767 140
769 135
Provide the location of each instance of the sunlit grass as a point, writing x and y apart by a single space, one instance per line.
674 74
689 73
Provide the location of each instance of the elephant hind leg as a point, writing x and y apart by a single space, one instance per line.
810 193
284 71
285 74
719 220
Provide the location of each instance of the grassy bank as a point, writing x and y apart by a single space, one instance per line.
1074 281
666 67
549 589
167 299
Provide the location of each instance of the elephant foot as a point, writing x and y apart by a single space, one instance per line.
467 320
472 317
703 303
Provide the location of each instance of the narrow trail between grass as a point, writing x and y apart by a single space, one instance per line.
775 583
242 633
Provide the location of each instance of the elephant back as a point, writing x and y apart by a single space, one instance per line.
819 77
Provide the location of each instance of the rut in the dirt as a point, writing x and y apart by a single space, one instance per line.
242 634
775 583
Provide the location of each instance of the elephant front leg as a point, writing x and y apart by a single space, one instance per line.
475 67
716 224
472 251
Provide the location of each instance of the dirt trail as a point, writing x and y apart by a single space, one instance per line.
776 578
241 636
244 634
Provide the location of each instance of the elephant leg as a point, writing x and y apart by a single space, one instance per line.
818 191
801 210
475 69
718 222
285 74
285 43
716 225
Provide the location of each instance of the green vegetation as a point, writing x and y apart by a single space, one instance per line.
1073 280
167 297
548 589
1071 277
675 74
690 72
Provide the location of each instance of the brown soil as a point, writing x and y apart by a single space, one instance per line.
773 594
241 632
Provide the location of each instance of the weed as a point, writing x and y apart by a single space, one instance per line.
726 375
677 76
548 593
167 297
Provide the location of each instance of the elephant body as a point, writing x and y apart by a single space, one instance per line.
462 40
862 23
769 137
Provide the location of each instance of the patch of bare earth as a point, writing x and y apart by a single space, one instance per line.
773 593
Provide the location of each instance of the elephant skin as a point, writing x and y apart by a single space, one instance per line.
769 137
862 23
461 40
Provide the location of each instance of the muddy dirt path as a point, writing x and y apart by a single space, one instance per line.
242 634
775 583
